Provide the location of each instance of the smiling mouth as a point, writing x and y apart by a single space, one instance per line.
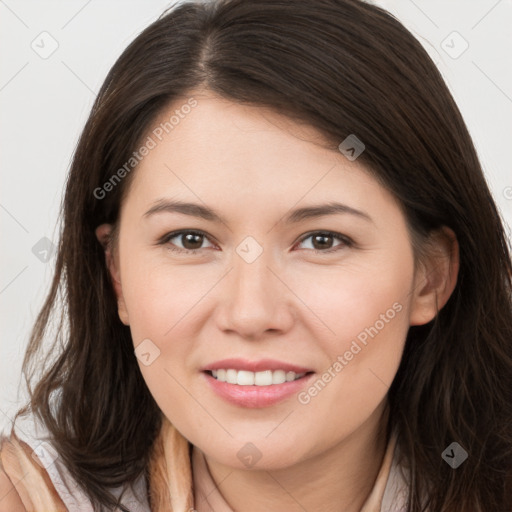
248 378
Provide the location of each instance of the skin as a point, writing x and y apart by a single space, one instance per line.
293 303
10 500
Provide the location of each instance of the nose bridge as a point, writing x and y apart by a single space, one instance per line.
255 299
251 277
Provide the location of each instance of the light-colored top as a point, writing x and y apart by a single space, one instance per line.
45 485
42 479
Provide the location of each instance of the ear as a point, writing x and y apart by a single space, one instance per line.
103 234
436 276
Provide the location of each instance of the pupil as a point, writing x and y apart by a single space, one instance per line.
196 240
323 245
189 238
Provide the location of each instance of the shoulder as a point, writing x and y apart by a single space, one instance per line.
31 453
24 476
10 500
34 467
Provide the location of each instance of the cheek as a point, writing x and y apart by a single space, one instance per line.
361 300
160 297
369 309
161 301
364 313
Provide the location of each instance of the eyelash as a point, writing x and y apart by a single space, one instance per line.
346 241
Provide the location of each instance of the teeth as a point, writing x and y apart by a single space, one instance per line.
264 378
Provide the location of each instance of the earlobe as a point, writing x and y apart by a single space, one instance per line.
103 234
436 277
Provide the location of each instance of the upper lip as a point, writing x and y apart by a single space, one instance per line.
255 366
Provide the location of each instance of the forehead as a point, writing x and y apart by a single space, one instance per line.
220 151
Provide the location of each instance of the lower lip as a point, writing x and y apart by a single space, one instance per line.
256 396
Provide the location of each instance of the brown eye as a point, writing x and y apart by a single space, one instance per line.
191 240
323 241
185 241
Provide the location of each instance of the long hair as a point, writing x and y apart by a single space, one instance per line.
343 67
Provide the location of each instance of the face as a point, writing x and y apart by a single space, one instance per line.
270 277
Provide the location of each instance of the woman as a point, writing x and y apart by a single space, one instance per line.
285 282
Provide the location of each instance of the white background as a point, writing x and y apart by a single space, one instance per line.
44 103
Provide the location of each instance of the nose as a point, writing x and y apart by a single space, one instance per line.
254 300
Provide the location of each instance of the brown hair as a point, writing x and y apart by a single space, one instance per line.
344 67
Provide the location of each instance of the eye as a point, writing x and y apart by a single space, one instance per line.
191 241
323 241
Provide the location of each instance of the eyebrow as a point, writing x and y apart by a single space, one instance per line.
295 216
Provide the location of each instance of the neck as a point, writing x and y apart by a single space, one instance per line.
340 478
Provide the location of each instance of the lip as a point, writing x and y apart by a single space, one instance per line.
255 366
253 397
